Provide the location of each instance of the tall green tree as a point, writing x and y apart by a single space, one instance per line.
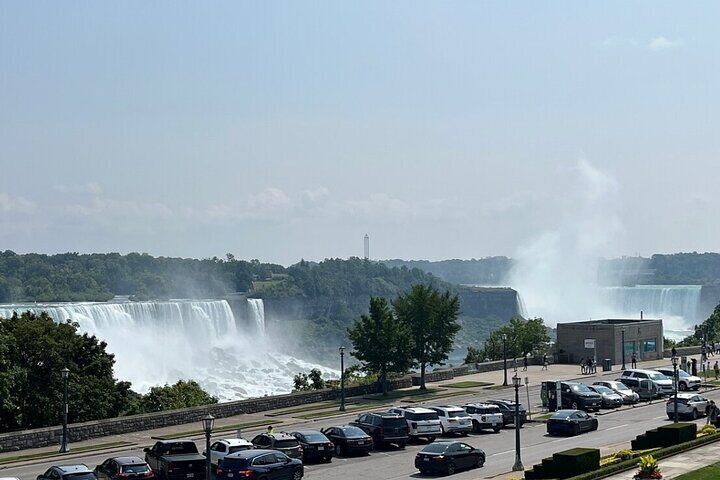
381 342
522 337
431 318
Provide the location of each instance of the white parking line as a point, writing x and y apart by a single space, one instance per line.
503 453
617 426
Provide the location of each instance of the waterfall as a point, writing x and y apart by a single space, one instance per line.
256 307
677 305
155 343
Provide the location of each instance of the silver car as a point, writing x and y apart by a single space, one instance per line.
628 396
610 398
689 405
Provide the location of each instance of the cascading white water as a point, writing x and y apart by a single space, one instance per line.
677 305
256 307
161 342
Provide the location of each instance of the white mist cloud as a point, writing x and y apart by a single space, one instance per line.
15 204
556 270
662 43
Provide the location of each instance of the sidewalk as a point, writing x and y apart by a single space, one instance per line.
676 465
284 417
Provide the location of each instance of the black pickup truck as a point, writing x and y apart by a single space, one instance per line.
176 460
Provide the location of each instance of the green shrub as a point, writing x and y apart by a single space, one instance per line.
624 455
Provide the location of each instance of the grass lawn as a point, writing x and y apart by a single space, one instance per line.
434 396
711 472
497 387
224 428
395 394
87 448
466 384
335 411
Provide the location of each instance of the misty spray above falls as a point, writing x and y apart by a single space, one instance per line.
162 342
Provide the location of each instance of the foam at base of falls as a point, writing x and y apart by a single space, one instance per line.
162 342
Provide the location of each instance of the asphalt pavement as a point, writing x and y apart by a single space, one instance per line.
616 429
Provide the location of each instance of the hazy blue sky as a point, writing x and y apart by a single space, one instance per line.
281 130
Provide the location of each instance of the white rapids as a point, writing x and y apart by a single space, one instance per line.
155 343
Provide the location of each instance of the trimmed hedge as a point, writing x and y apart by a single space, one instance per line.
566 464
658 454
665 436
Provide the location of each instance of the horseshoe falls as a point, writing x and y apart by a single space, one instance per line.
162 342
677 305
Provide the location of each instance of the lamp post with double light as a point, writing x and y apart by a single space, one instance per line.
342 379
518 467
208 421
675 384
64 445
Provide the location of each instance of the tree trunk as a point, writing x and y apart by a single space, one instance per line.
422 376
384 385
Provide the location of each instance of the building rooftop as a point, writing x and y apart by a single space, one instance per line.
613 321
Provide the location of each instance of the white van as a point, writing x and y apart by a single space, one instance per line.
635 379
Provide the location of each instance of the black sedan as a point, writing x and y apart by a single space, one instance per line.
448 457
315 445
67 472
349 440
570 422
270 464
116 468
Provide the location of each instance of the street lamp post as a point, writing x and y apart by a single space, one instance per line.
64 445
623 348
208 421
518 467
342 379
675 381
504 339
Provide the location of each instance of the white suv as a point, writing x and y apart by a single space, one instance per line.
685 380
633 377
689 405
223 448
453 419
484 415
422 422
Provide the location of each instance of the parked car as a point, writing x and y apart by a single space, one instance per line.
628 396
453 419
119 468
225 447
175 459
421 422
384 428
282 442
578 396
349 440
570 422
689 405
484 416
448 457
261 464
507 408
315 445
638 379
685 380
610 398
68 472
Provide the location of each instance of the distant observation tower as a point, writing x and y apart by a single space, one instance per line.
367 247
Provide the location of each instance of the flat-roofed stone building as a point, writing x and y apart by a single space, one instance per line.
645 337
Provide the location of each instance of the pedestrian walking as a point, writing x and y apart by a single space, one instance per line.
270 430
583 366
515 364
674 352
693 366
633 360
545 362
714 413
709 408
525 362
716 369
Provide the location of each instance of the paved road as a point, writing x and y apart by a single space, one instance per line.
615 428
